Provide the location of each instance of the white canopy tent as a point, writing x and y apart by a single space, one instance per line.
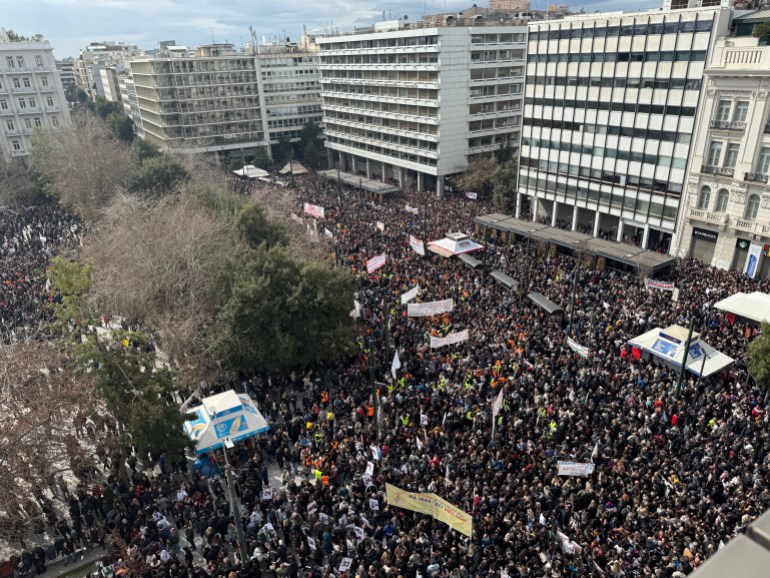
454 244
293 168
251 172
227 415
754 306
668 344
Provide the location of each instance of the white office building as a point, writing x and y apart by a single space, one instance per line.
725 218
410 106
610 111
31 94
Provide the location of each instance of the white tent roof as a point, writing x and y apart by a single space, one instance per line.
251 172
754 306
293 167
668 344
454 244
227 415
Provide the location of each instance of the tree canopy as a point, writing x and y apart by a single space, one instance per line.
254 227
758 358
157 176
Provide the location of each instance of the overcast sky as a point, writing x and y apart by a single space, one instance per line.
72 24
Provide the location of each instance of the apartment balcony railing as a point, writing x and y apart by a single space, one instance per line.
728 125
23 90
755 178
18 152
719 219
722 171
749 226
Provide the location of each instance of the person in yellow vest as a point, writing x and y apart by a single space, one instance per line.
405 420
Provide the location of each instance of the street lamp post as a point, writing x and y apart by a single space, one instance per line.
684 358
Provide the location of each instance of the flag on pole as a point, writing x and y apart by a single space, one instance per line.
498 404
595 453
396 364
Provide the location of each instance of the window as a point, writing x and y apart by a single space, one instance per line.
703 198
44 81
22 103
16 83
20 61
9 125
9 62
752 207
28 123
741 111
715 153
731 155
55 120
3 105
763 162
723 110
32 103
49 101
38 122
27 83
722 197
16 145
39 61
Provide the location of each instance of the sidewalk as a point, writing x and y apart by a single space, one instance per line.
56 569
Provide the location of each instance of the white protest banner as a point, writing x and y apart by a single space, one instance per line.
413 210
323 517
328 233
374 504
359 532
367 480
345 565
451 339
504 574
312 508
369 469
395 365
581 350
423 419
381 226
417 245
295 218
375 452
310 543
472 196
409 295
343 520
430 308
567 546
267 494
314 211
575 469
418 441
375 263
497 406
662 285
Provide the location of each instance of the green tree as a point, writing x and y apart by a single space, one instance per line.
310 155
103 107
283 152
158 176
19 185
505 184
70 281
478 176
262 159
234 160
280 311
81 95
141 150
122 126
761 30
254 227
758 359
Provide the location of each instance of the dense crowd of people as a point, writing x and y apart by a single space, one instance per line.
675 476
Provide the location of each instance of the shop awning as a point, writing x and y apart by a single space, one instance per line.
506 280
544 303
754 306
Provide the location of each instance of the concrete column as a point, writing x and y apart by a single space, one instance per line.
440 186
368 169
330 157
518 205
620 231
597 219
646 236
554 213
382 168
419 182
535 206
575 211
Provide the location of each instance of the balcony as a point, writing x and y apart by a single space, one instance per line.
718 219
23 90
755 178
752 227
18 152
721 171
728 125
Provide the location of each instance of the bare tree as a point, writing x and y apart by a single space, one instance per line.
85 166
158 261
51 424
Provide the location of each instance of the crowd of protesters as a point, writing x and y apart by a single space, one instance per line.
675 476
28 239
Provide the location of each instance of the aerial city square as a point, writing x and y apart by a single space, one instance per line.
385 290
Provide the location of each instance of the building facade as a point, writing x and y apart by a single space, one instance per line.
411 106
207 103
725 219
31 95
66 68
610 110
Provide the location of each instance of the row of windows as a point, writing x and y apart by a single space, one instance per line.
723 198
19 62
383 43
592 194
383 136
29 123
23 102
609 82
633 156
385 151
614 106
652 56
626 30
661 135
26 82
644 184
